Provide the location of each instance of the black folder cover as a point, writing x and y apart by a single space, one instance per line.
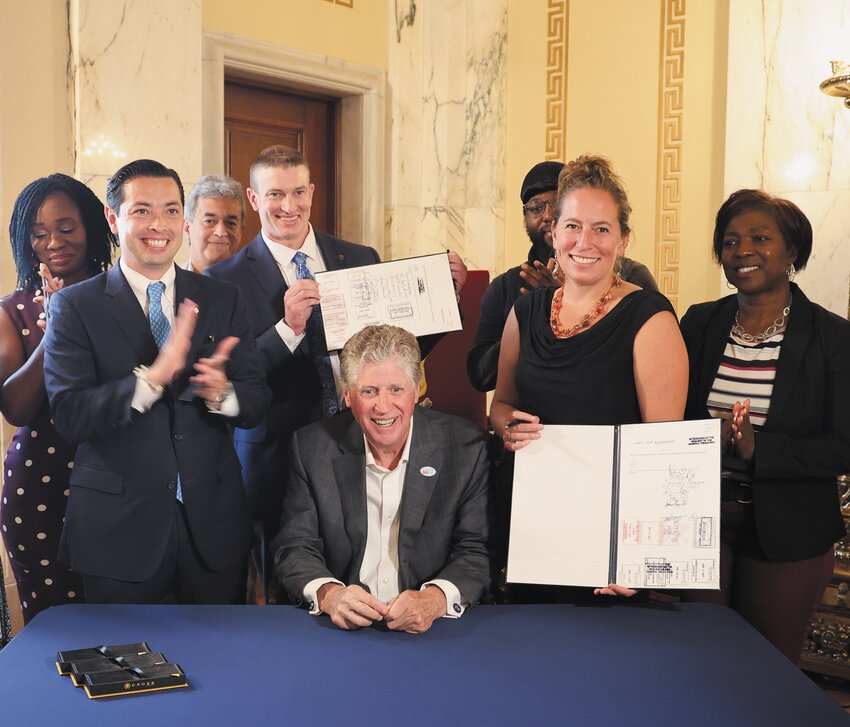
93 666
64 658
134 680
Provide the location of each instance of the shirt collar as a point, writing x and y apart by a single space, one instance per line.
405 453
283 255
139 283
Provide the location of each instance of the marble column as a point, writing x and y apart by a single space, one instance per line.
446 72
135 72
786 137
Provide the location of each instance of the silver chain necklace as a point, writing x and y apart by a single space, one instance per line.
777 325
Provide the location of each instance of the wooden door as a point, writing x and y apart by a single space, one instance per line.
256 117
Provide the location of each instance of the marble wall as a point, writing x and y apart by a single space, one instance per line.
446 70
135 71
785 136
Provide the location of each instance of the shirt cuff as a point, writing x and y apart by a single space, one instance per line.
230 406
455 607
288 336
144 396
311 593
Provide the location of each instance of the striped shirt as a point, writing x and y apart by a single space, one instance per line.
747 370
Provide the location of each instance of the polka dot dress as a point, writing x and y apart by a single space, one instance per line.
35 490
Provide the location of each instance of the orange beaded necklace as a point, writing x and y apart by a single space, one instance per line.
560 330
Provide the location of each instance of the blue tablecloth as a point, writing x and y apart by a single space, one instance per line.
657 664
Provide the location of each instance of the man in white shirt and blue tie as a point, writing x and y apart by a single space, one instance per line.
146 366
275 274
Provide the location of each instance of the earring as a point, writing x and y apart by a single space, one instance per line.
791 272
730 286
618 267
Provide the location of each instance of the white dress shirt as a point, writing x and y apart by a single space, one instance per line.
315 264
379 569
144 396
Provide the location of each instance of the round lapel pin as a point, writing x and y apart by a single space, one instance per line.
427 471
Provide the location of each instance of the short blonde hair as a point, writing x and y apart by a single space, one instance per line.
376 344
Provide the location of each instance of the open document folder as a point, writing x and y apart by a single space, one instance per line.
637 505
416 294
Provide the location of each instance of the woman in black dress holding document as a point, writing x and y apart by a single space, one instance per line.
597 350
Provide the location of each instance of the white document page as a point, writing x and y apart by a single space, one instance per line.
561 509
416 294
669 505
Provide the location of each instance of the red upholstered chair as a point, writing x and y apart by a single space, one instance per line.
445 367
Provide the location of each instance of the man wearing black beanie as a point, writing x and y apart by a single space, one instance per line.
539 194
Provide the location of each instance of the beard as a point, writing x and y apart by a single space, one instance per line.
541 248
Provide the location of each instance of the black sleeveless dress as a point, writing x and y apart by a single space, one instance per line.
588 378
585 379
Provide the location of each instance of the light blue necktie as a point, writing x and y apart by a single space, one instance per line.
316 338
160 328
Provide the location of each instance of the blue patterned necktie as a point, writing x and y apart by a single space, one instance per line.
316 338
160 328
159 323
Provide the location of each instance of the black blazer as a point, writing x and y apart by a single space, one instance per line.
805 442
121 503
444 526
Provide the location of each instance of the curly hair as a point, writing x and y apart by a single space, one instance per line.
100 241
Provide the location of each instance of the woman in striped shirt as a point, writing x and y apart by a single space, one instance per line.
776 368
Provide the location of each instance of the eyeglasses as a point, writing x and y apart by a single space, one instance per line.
535 209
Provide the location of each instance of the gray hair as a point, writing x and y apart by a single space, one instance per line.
376 344
216 187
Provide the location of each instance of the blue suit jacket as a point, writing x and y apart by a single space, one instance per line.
121 503
292 376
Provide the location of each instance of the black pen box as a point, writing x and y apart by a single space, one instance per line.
64 658
79 669
134 680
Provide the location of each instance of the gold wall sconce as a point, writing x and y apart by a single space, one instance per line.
838 84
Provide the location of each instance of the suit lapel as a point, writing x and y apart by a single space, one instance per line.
264 268
716 335
334 258
798 336
349 468
424 469
129 315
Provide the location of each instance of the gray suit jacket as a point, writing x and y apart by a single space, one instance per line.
444 530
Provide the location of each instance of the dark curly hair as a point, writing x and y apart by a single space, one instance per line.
100 242
789 218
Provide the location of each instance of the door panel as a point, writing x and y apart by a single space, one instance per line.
256 117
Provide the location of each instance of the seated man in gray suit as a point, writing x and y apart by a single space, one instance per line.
387 513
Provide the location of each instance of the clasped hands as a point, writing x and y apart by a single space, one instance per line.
210 380
737 431
540 275
353 607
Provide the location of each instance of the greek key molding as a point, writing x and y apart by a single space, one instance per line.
557 33
668 203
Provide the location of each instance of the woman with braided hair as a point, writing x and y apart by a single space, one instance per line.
59 237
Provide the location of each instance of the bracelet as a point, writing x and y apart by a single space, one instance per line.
141 373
